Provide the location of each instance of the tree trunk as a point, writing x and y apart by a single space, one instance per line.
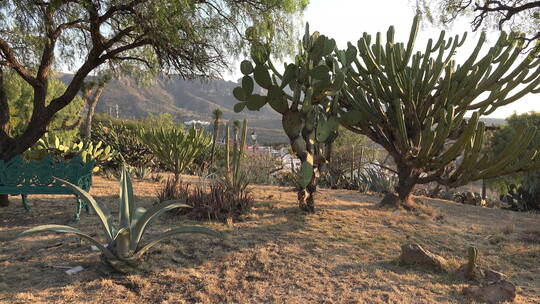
306 197
403 198
5 140
91 102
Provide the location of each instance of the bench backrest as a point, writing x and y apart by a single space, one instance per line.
37 176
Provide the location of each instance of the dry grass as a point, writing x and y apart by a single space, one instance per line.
345 253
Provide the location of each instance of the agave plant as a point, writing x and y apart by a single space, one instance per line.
124 242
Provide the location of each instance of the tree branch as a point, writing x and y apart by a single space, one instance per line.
12 62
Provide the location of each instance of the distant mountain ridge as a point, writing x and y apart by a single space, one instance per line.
193 99
185 100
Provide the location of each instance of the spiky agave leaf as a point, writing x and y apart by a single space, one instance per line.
67 229
145 219
127 203
101 210
122 248
173 232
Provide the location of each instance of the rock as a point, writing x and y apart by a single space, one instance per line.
480 274
493 292
414 254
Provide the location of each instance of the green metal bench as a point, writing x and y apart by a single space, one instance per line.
24 177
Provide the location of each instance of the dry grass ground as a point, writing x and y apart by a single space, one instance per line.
345 253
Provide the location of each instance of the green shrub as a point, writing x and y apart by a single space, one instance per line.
174 147
377 180
122 136
521 191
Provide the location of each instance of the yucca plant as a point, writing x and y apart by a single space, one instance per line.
377 181
124 242
175 147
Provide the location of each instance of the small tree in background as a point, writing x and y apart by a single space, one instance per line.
414 105
91 93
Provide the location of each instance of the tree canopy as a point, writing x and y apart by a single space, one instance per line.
516 15
191 38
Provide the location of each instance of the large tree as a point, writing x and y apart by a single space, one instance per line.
518 15
192 38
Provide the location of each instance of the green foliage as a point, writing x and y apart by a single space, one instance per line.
158 33
20 96
414 105
163 120
174 147
525 197
122 136
523 16
379 181
124 240
217 114
521 190
61 150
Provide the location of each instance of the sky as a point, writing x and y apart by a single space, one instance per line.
346 20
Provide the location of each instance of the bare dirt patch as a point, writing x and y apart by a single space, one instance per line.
345 253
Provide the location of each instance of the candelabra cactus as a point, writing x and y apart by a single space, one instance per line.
305 95
414 105
234 173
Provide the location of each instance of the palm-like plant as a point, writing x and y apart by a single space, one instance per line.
124 246
216 115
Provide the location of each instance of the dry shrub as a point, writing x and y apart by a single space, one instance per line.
172 190
219 201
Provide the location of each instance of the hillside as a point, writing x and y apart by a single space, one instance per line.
193 99
185 100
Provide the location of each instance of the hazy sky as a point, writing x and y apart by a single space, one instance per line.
346 20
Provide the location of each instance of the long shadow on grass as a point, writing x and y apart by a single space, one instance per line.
29 265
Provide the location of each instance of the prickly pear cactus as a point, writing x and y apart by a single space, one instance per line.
53 146
306 95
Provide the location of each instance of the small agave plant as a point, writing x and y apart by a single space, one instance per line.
124 247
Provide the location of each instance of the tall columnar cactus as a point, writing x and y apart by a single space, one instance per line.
233 169
306 95
414 105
